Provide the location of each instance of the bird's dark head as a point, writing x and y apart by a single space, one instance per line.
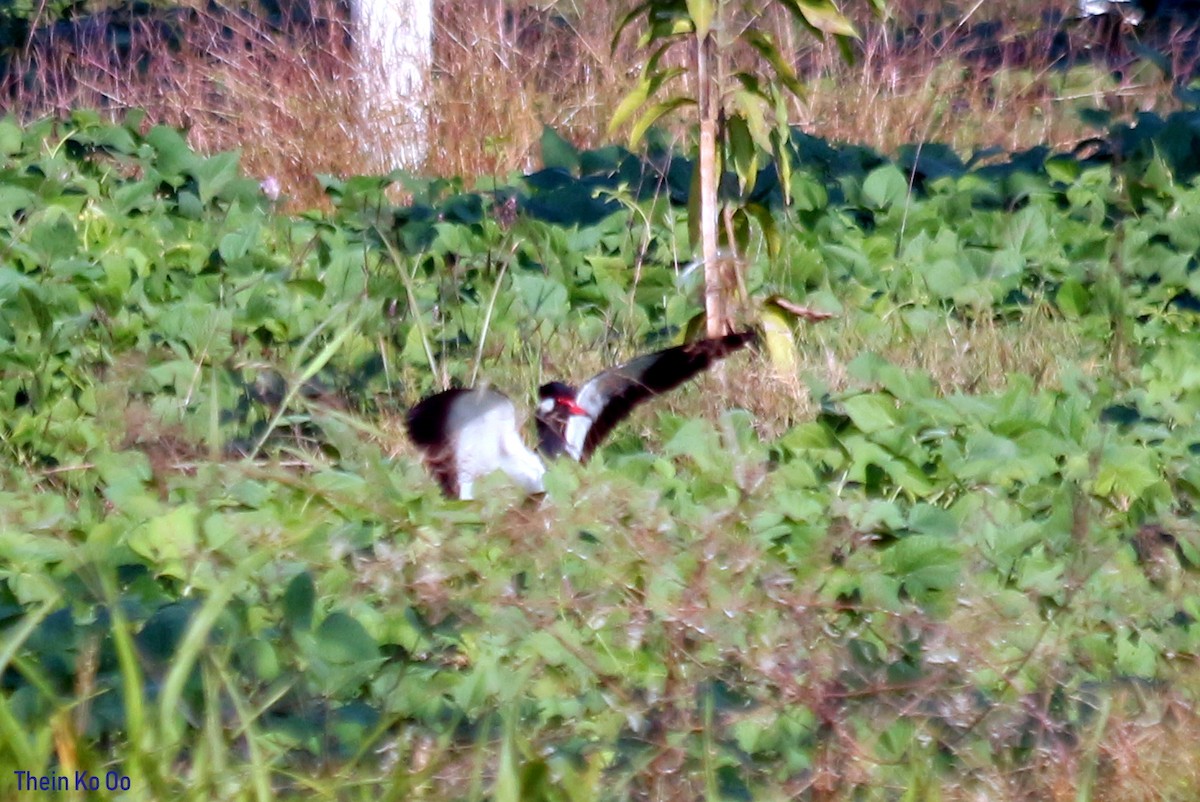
556 396
556 405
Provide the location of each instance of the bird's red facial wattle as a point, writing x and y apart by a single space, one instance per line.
570 406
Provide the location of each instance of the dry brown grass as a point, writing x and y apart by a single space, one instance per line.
500 76
282 97
286 97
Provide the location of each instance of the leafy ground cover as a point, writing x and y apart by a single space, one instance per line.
950 553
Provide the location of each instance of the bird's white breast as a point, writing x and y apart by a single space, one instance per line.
488 440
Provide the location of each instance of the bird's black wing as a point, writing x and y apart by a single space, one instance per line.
428 424
611 395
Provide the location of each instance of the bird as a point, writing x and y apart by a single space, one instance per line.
464 434
1131 11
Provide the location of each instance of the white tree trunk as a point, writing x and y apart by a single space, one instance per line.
393 45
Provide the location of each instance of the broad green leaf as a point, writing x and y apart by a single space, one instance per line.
1073 299
752 108
169 541
885 186
871 413
1125 471
925 564
14 199
342 639
943 277
174 157
298 601
10 137
542 298
558 152
1135 656
215 174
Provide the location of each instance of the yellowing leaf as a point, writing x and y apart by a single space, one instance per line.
653 114
628 105
781 346
824 16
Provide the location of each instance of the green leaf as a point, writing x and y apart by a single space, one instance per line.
236 244
701 12
1136 657
10 137
174 157
628 105
14 199
214 174
169 541
653 114
872 412
558 152
927 565
697 440
298 601
821 16
1073 299
766 223
743 151
542 298
943 277
646 7
885 186
1125 471
343 640
784 72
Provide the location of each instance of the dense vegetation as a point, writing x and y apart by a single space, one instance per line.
951 551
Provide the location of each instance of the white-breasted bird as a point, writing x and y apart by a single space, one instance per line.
465 434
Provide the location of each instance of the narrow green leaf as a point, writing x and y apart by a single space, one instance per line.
627 20
701 12
170 721
752 108
781 149
650 84
653 114
766 222
743 152
14 638
784 72
628 105
824 16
